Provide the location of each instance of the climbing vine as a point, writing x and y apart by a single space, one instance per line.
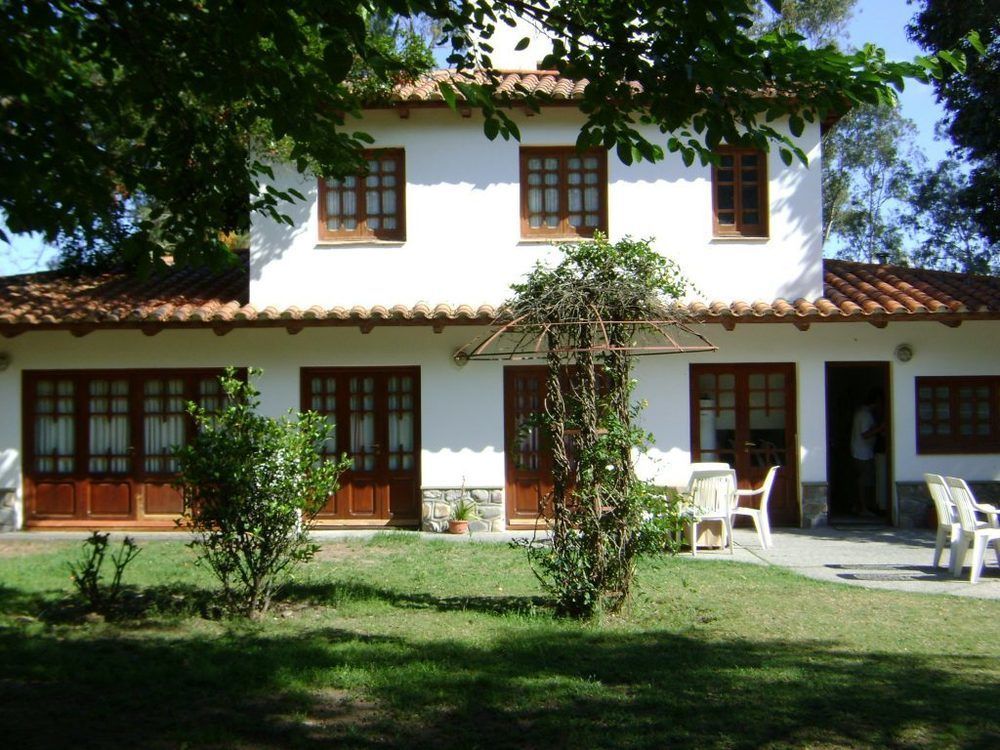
591 314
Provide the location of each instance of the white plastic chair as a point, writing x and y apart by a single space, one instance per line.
712 495
974 532
759 514
948 528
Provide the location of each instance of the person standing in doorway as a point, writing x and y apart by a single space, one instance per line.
866 427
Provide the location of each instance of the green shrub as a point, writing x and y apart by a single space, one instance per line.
252 486
87 571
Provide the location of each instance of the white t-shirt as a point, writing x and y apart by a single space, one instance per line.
863 448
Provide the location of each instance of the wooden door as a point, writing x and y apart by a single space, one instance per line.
376 420
745 416
528 459
99 444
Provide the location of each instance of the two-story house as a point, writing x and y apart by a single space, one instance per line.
358 308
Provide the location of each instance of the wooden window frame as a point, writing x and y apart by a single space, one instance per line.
956 443
81 413
362 231
739 229
563 230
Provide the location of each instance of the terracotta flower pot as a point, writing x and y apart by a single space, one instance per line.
458 527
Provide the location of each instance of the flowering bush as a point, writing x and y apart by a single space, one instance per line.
252 486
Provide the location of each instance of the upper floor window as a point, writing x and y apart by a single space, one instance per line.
368 206
739 193
563 193
958 415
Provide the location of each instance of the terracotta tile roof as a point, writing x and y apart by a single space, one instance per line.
191 298
513 83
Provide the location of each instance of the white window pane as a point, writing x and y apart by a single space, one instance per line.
551 164
551 200
350 205
574 199
389 201
373 202
534 164
591 199
333 203
534 200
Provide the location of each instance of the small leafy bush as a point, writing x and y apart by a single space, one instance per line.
87 572
663 521
465 510
252 487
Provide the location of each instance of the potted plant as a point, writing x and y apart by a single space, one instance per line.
463 512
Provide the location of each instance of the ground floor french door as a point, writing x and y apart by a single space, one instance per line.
528 460
99 444
744 415
376 417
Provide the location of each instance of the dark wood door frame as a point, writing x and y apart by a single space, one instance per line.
525 488
744 455
388 487
143 498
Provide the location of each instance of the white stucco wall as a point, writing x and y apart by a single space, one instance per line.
463 240
462 407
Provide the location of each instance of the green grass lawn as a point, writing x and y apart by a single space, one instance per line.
397 642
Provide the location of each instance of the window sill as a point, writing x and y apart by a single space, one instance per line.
722 239
360 242
552 240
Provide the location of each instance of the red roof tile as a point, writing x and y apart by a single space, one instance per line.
192 298
513 83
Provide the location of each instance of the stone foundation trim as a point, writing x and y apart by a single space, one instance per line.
437 504
8 513
916 508
815 504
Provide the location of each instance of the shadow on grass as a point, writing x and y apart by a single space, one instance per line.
334 593
134 603
534 685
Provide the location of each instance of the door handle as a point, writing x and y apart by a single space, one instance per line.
749 444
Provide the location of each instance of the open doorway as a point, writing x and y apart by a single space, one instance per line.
849 385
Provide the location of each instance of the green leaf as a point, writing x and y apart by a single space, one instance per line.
976 42
786 156
624 151
491 127
448 94
523 44
797 125
337 60
955 59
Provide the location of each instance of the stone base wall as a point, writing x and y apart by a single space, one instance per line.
8 515
815 504
916 509
914 505
437 504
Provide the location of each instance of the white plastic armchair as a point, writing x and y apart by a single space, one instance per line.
759 514
712 495
975 533
948 528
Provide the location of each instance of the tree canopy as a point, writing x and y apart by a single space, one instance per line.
972 99
178 105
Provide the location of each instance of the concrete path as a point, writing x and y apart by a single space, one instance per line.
894 559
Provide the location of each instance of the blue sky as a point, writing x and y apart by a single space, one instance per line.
880 21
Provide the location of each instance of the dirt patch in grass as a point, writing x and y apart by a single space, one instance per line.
341 551
23 549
